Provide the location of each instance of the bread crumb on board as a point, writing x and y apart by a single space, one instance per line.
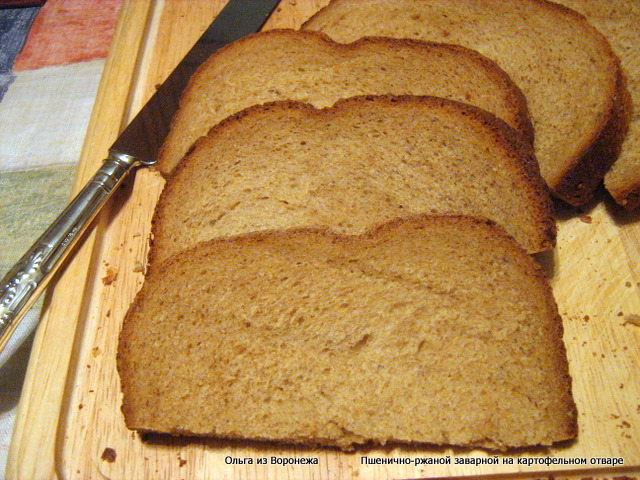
632 319
110 277
109 455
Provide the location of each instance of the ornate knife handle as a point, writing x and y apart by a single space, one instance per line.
22 285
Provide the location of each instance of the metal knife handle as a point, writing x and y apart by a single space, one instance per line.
22 285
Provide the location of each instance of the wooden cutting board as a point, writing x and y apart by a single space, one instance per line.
69 423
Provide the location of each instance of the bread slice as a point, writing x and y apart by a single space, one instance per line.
618 20
565 68
362 162
307 66
437 330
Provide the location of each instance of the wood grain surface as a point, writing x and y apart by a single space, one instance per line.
69 422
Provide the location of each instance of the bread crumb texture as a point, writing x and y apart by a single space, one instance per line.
431 329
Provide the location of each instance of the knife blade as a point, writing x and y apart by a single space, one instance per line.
138 144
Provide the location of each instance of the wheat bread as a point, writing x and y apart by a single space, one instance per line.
307 66
429 329
563 65
363 161
619 21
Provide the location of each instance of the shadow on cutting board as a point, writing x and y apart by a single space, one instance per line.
268 447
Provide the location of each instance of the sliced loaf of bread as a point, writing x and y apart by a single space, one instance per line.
306 66
437 330
566 69
619 21
364 161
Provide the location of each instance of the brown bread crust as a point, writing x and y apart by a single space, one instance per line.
618 21
586 174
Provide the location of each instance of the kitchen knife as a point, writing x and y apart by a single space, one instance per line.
138 144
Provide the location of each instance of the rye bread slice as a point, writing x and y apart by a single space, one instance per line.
349 167
431 329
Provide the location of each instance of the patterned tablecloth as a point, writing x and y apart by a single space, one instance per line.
51 60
